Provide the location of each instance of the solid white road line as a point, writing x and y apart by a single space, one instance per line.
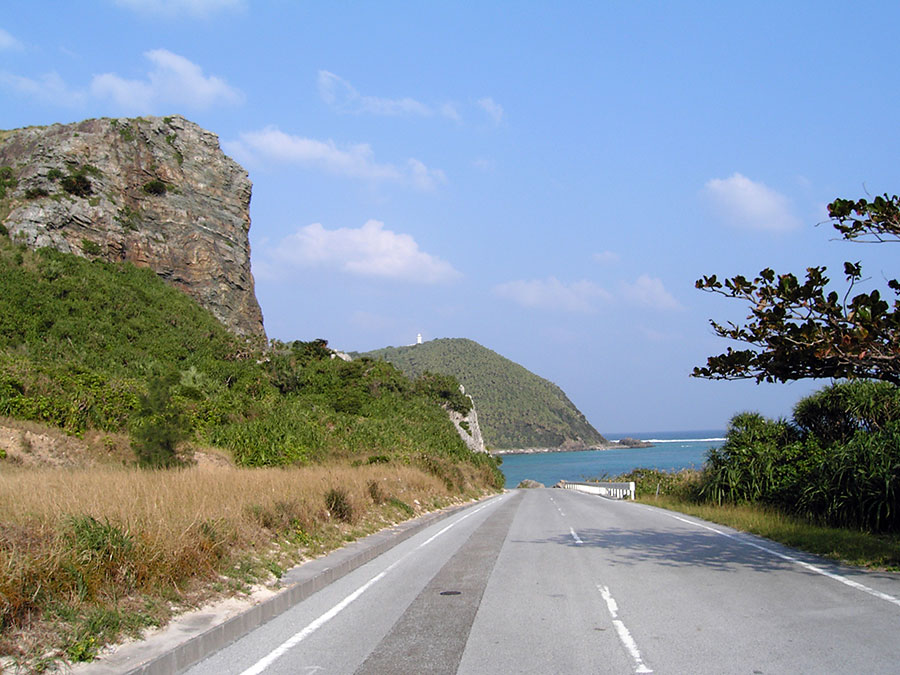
812 568
313 626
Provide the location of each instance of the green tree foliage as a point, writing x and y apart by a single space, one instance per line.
445 390
837 460
516 408
160 425
800 329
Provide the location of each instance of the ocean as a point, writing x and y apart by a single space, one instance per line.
671 451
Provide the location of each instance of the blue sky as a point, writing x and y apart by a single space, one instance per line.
548 179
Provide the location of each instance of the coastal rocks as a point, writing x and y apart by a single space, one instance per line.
628 442
155 191
529 484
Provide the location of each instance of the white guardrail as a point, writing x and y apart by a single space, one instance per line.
614 490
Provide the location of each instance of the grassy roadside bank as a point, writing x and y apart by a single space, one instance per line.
863 549
88 556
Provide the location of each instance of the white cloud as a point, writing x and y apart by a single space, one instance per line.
607 257
337 92
368 251
173 81
648 292
354 161
744 203
7 41
49 88
423 177
450 111
551 293
484 164
493 109
586 296
199 8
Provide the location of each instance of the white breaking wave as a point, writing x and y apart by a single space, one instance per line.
682 440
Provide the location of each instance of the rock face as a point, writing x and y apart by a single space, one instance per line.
468 428
155 191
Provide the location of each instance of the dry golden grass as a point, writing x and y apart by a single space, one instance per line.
133 543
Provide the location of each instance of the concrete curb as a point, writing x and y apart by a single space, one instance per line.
194 641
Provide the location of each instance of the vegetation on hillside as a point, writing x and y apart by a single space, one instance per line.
95 345
516 408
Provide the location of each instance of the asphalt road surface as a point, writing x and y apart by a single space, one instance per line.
552 581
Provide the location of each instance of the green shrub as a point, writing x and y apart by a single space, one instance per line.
77 185
129 218
54 174
748 465
445 390
154 187
159 427
7 180
36 193
835 414
683 484
402 506
337 501
838 462
91 247
858 483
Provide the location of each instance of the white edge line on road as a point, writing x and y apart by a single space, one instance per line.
622 630
809 566
313 626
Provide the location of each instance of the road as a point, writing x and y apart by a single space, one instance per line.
552 581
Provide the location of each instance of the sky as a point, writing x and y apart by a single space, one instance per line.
545 178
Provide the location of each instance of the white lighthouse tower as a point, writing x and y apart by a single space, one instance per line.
419 339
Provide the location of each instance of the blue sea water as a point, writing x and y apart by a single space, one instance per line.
671 451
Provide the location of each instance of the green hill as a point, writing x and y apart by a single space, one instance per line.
83 342
516 408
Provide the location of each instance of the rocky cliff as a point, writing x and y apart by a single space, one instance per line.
468 427
155 191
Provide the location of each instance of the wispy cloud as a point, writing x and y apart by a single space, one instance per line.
343 96
649 292
744 203
484 164
197 8
586 296
7 41
367 251
174 80
450 111
606 257
48 88
493 109
551 293
353 161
